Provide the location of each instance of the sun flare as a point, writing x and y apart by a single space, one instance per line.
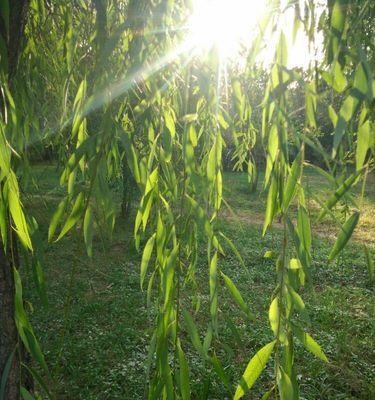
230 25
224 25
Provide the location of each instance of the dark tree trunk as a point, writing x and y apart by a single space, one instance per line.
8 330
9 340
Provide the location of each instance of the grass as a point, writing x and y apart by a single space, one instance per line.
96 329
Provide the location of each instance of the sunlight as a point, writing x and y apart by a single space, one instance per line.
230 25
224 24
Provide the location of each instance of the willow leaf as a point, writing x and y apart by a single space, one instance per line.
274 315
254 369
293 178
285 385
237 296
88 230
297 301
16 211
146 257
193 333
309 343
56 219
26 394
339 193
213 290
73 217
344 235
271 205
363 143
5 374
184 373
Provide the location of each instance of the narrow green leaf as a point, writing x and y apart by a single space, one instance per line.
360 82
193 333
211 164
88 230
332 115
23 326
3 222
146 256
237 296
16 211
297 301
292 182
274 315
339 81
311 105
303 227
339 193
169 123
5 374
254 369
26 395
213 290
74 216
272 148
220 371
344 235
267 395
271 205
363 143
192 135
224 124
39 379
235 251
285 385
56 218
184 373
310 344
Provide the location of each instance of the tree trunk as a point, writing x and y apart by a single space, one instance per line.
8 330
9 339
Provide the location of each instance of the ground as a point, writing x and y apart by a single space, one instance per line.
96 329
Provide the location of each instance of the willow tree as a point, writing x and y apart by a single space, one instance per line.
134 89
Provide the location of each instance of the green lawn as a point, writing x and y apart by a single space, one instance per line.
96 329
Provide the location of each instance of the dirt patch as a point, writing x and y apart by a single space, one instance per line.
364 233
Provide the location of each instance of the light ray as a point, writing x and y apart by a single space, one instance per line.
116 89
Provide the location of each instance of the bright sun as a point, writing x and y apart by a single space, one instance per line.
228 24
224 24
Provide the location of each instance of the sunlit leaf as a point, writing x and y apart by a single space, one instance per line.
274 315
309 343
363 143
253 369
213 290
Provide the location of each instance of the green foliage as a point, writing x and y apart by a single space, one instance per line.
165 118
